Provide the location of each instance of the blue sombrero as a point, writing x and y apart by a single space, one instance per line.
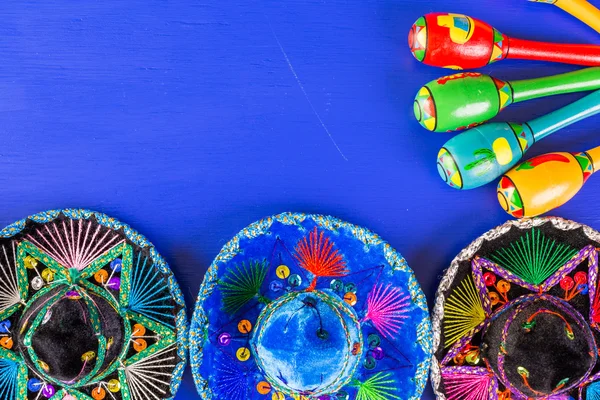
88 311
303 306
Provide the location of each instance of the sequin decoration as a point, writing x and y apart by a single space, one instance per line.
529 281
308 307
77 269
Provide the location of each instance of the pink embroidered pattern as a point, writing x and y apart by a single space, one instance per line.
464 386
386 307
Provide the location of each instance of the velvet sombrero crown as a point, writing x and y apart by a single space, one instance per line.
88 311
303 306
517 314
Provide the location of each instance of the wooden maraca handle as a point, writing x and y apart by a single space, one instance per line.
461 42
577 54
580 9
545 182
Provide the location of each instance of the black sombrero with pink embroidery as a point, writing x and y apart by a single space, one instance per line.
517 315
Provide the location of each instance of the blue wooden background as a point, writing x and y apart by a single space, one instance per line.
189 120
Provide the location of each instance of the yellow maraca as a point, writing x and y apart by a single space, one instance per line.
545 182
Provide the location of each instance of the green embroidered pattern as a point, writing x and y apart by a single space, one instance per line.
533 257
85 257
237 287
378 387
242 284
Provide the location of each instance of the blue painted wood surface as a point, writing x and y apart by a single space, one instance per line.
190 120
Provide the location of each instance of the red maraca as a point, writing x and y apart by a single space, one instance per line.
461 42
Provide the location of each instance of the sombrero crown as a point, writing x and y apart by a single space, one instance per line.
303 306
517 315
88 311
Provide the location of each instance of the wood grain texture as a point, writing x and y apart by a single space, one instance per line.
190 120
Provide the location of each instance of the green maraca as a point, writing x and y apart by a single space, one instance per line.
465 100
479 155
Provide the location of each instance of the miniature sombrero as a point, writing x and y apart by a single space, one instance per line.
88 311
303 306
517 313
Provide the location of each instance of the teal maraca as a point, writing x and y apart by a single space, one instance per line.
477 156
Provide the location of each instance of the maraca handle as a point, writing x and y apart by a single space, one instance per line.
577 54
576 111
575 81
582 10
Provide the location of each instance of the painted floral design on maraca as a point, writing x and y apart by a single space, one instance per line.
417 39
448 169
460 27
476 156
447 103
509 197
485 158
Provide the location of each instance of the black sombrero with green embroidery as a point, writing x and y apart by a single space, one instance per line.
88 311
517 315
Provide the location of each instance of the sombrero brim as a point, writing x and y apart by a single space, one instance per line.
279 255
509 306
88 310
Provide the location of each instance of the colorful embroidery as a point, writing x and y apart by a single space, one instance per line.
379 386
82 278
524 292
533 257
468 384
317 256
463 312
308 307
386 309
